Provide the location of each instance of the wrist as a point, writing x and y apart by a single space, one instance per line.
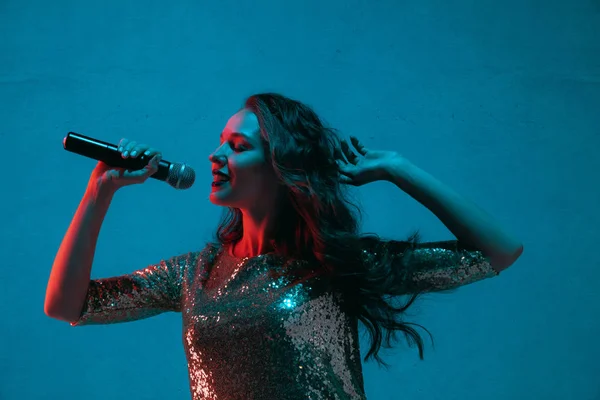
100 194
398 170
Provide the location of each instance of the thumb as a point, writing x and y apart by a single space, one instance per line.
142 174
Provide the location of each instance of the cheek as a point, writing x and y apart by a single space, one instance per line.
255 180
250 167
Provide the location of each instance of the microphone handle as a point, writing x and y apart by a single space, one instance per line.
109 154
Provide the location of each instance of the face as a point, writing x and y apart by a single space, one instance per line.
248 182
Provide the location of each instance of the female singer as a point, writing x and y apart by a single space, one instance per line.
271 308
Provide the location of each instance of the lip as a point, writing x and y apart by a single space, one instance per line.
219 174
216 172
218 184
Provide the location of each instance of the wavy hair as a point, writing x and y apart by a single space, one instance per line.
319 223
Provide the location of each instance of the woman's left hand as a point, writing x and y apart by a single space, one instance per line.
360 165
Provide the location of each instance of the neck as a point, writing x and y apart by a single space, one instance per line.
259 231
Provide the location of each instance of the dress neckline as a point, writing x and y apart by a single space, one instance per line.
228 251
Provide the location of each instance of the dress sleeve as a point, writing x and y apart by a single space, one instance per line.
138 295
433 266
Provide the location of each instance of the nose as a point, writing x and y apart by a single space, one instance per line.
217 158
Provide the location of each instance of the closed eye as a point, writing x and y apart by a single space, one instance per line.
236 148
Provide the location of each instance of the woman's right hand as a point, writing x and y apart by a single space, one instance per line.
112 178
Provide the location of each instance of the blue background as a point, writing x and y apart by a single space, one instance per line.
498 99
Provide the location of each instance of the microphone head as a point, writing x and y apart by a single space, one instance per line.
181 176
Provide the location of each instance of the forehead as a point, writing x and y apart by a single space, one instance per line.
244 122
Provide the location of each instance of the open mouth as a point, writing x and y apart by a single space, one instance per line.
218 183
219 178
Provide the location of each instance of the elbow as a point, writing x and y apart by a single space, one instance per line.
49 306
48 310
500 262
52 311
55 312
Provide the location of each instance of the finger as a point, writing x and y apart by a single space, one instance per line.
150 151
152 166
345 169
113 174
157 157
350 156
358 145
139 175
337 154
122 143
155 160
138 149
127 148
346 180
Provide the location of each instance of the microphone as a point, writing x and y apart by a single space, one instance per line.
178 175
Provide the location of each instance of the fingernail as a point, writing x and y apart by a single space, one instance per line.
133 153
147 152
125 154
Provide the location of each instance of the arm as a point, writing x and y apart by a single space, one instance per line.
141 294
73 297
70 275
427 267
465 220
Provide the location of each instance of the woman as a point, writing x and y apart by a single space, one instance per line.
271 309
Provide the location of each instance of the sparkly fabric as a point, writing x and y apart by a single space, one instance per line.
253 337
433 266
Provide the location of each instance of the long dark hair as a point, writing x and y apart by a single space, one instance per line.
319 223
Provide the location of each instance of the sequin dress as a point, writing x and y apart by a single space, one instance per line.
256 337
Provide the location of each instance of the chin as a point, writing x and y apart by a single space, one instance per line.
221 198
217 200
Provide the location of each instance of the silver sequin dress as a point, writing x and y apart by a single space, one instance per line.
254 338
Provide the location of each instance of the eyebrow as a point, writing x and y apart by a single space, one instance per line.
236 134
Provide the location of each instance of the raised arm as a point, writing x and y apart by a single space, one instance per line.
468 222
436 266
430 266
70 275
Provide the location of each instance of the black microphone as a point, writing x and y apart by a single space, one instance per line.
178 175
